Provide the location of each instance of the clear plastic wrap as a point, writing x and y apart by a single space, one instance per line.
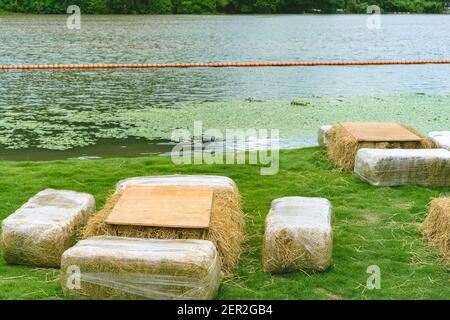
179 180
131 268
345 139
43 228
440 138
393 167
298 235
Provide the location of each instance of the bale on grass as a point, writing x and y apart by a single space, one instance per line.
394 167
130 268
436 226
298 235
43 228
226 228
343 146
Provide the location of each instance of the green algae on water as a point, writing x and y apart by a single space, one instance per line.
55 127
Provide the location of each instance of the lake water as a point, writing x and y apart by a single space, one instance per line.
166 39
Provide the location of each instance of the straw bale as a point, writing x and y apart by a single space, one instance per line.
298 235
437 225
394 167
226 228
131 268
342 146
43 228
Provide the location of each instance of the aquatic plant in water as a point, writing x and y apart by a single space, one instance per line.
60 127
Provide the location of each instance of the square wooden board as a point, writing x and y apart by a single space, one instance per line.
379 132
172 207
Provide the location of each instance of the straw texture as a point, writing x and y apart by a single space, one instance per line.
226 229
129 268
342 146
298 235
42 229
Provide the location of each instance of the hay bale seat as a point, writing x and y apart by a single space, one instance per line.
345 139
322 135
298 235
394 167
441 139
130 268
226 227
43 228
436 226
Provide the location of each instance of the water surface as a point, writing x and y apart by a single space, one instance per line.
36 103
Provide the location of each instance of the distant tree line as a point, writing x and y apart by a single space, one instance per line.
221 6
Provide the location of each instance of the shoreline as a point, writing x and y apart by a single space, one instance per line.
137 148
148 130
56 127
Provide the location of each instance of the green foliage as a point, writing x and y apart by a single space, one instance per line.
416 6
196 6
267 6
356 6
138 6
221 6
89 6
161 6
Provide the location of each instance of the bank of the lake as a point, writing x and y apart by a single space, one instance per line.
55 127
373 226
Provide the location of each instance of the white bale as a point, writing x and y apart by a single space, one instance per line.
440 138
322 135
393 167
43 228
298 235
179 180
132 268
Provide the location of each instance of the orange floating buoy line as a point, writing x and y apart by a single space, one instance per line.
221 64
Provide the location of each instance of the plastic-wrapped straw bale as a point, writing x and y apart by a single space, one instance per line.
343 144
43 228
132 268
393 167
322 135
226 228
440 138
298 235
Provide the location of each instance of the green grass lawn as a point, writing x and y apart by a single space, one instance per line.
373 226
